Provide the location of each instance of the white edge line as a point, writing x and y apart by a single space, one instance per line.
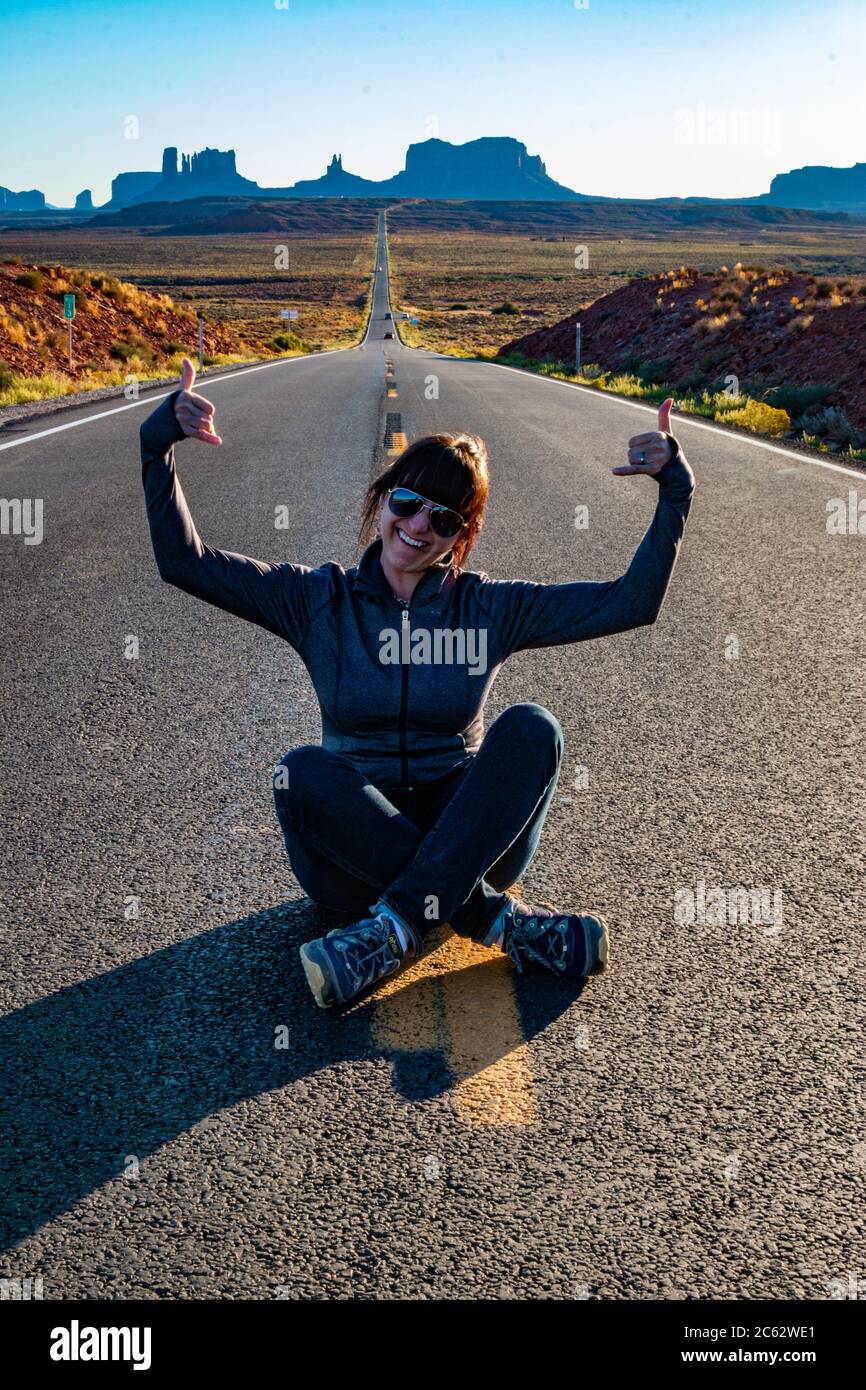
147 400
682 416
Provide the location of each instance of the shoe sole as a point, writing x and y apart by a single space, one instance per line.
600 944
319 977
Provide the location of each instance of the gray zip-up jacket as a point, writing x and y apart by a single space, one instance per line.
402 686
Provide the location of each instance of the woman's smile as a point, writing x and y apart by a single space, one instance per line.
410 541
403 545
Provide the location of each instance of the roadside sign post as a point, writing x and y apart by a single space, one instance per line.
69 315
289 314
577 348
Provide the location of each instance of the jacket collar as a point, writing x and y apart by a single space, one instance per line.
370 577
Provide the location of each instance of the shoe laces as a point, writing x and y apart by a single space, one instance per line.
364 947
528 933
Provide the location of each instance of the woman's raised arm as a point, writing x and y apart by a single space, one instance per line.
548 615
273 596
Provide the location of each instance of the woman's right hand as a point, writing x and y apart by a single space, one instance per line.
193 412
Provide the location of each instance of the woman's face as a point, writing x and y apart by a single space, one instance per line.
405 556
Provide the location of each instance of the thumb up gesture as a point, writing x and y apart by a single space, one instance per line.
194 413
648 453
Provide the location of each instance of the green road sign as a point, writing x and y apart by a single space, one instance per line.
69 306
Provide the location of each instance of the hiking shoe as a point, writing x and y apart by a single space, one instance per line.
350 960
571 945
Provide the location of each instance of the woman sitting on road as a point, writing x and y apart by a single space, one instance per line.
408 815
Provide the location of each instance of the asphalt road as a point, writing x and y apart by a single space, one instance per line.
181 1121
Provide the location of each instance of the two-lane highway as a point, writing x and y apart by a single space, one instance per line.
180 1121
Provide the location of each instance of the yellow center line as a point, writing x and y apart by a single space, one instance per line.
459 998
398 442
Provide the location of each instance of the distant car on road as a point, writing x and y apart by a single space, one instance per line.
387 316
389 335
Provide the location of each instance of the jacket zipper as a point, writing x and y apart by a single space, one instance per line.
404 695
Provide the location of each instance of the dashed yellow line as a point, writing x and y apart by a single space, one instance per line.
399 442
459 998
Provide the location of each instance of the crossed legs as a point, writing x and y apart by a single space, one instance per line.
448 856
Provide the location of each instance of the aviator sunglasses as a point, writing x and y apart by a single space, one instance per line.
403 502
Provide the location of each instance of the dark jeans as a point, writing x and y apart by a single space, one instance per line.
438 852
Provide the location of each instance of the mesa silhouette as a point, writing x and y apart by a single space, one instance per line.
492 167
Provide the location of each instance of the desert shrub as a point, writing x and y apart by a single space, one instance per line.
592 370
798 400
466 306
286 342
136 365
32 279
506 308
654 371
133 346
713 405
832 423
626 384
6 375
12 327
728 404
760 417
692 381
122 351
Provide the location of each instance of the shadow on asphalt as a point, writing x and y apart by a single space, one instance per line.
120 1064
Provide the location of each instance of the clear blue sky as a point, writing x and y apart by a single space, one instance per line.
640 99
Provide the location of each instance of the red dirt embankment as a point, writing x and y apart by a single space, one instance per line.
115 325
766 327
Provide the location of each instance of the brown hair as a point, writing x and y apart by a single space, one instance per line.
447 468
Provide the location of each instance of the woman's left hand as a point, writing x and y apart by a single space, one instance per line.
648 453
